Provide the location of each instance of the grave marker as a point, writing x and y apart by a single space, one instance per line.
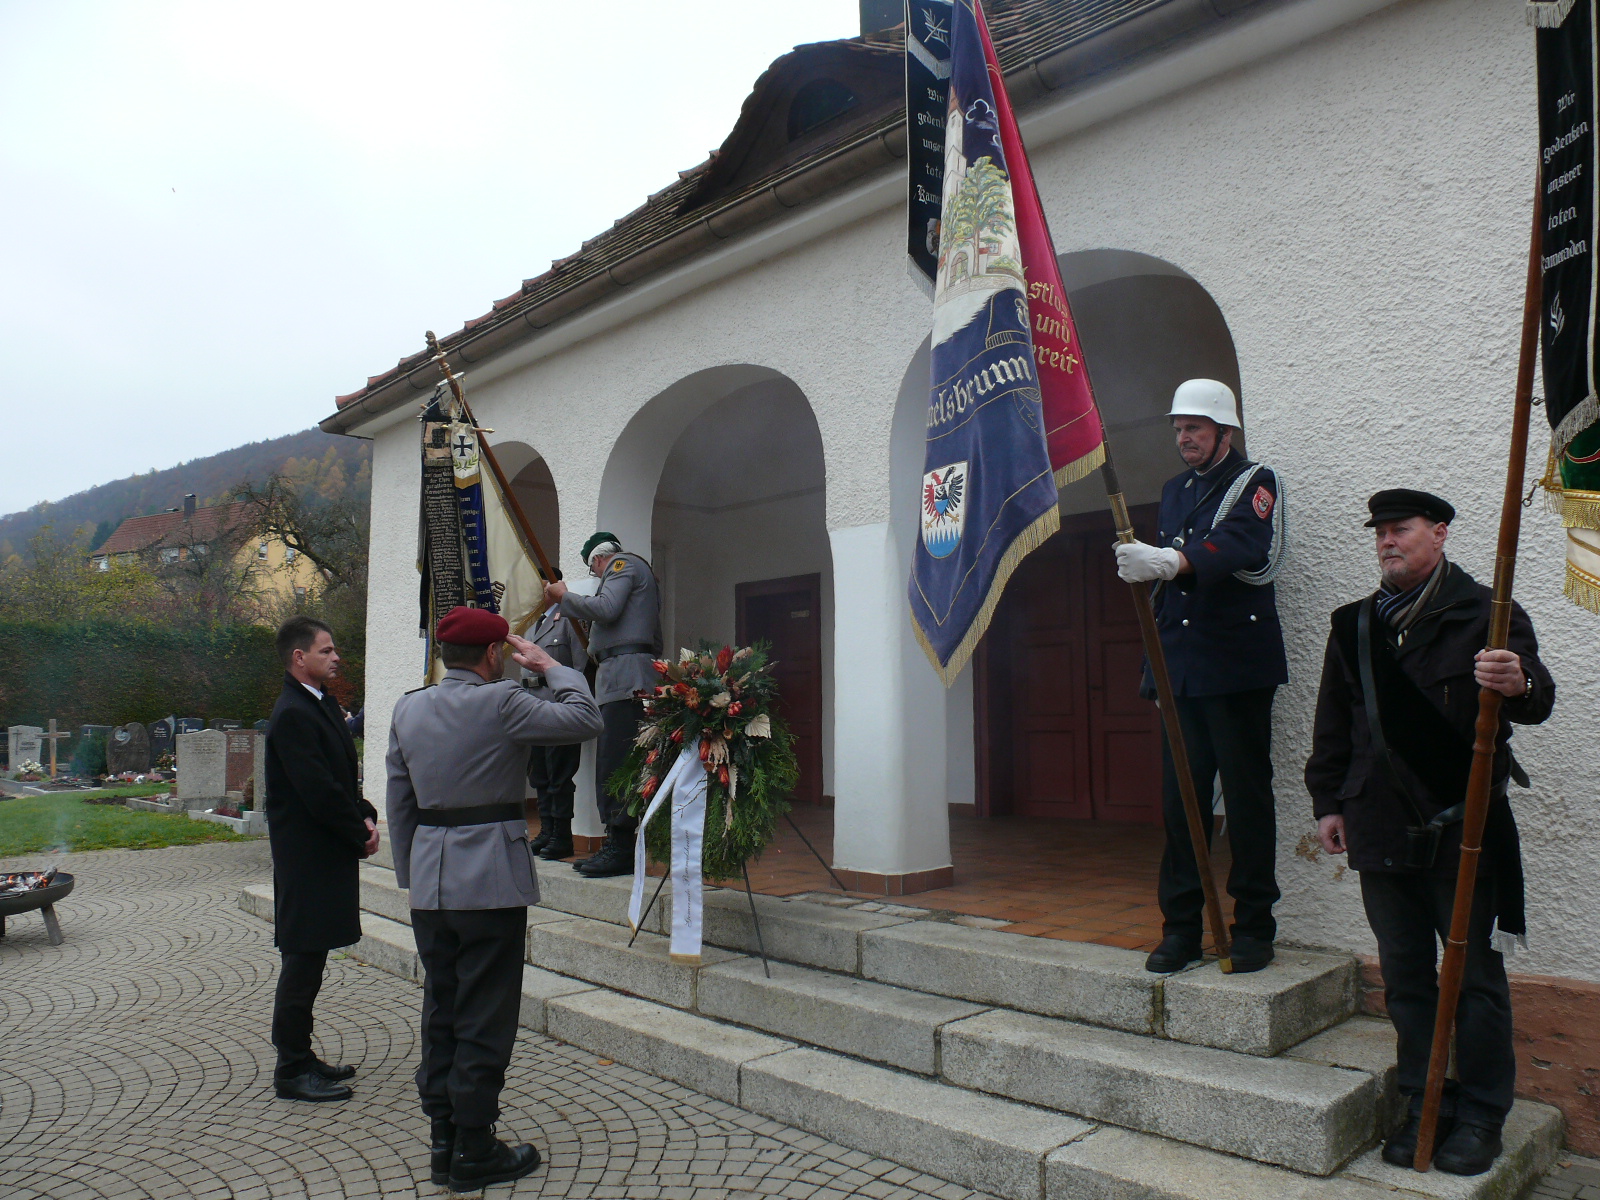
161 734
189 725
128 750
24 743
202 768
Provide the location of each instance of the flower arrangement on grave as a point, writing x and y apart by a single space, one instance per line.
30 771
725 700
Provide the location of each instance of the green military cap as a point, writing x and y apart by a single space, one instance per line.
599 540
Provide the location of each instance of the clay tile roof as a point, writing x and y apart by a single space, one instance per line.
1023 31
156 529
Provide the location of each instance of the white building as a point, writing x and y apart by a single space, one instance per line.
1323 202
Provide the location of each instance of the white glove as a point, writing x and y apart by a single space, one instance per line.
1138 562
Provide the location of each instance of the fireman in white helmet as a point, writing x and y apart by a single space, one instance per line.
1218 548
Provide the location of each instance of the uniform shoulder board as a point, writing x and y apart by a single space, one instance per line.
414 691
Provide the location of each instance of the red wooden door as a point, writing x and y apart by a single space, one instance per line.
787 613
1050 718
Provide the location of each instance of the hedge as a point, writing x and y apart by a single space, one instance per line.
110 673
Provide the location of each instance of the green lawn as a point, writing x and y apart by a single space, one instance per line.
34 823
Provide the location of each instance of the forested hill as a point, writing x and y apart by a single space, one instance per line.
335 461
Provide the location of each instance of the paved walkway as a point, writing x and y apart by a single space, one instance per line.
134 1063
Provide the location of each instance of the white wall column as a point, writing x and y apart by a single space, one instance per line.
891 821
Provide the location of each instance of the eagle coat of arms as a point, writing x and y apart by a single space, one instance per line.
944 508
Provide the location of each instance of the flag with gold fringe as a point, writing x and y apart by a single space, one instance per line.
1568 233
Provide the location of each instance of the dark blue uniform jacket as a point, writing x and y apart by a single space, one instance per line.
1220 634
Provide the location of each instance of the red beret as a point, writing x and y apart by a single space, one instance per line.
463 626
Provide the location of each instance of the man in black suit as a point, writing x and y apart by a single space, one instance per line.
320 828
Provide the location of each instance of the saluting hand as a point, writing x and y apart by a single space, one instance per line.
554 591
527 654
1500 671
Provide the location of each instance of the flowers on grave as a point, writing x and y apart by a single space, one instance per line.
30 771
727 700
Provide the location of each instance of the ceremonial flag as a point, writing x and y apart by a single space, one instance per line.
472 550
988 491
1568 233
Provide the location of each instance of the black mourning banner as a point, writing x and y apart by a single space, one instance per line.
927 99
444 576
1567 233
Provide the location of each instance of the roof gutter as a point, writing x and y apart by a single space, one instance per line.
1069 68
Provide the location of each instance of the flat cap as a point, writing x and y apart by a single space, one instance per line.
463 626
1396 504
599 539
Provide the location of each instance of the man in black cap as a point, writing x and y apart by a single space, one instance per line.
1391 752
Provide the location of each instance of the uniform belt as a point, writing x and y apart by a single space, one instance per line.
478 814
626 648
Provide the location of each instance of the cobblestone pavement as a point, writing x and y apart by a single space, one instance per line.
134 1063
1573 1178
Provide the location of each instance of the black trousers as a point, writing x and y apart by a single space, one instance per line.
471 996
621 726
1410 914
552 772
1232 735
299 981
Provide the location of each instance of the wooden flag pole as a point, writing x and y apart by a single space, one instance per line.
524 526
1489 701
1169 714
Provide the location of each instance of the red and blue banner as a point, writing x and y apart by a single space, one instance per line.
988 491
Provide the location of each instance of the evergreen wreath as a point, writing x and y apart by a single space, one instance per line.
727 699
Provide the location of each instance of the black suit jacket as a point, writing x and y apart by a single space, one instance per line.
316 818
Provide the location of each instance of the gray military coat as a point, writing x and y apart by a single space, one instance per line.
554 634
461 744
626 611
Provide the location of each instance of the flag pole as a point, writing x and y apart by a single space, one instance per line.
1489 701
1169 711
524 526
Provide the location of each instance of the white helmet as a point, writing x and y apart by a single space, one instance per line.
1206 398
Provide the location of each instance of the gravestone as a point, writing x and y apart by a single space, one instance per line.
92 731
261 726
24 743
202 768
224 724
161 734
189 725
128 750
246 760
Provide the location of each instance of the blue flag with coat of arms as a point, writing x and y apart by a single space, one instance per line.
988 492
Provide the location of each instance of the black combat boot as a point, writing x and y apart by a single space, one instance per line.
1175 952
481 1158
615 858
547 829
604 847
560 844
441 1150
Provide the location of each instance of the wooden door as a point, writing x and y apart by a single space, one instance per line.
1050 718
787 614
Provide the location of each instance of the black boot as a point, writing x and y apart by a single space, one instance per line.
441 1150
560 844
1175 952
1469 1150
481 1158
1401 1149
616 858
546 831
604 846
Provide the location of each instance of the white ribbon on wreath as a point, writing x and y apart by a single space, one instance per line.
685 787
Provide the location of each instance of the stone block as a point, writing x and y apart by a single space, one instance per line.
664 1042
838 1012
1533 1137
1263 1012
389 946
1100 985
797 931
564 890
1119 1164
1297 1114
256 899
380 895
1360 1044
539 987
976 1141
599 952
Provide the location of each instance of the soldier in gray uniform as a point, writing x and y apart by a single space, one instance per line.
457 757
552 770
624 636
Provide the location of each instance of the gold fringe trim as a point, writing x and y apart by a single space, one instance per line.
1079 468
1544 14
1582 589
1029 540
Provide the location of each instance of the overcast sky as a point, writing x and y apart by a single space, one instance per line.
217 216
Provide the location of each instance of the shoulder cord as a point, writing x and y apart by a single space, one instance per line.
1280 541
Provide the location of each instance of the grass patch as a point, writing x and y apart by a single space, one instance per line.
34 823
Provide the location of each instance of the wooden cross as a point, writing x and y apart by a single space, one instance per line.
52 738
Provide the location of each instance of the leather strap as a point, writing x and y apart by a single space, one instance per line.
478 814
611 652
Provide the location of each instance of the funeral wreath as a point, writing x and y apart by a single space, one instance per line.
726 700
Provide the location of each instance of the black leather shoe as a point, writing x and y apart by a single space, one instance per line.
1175 952
1469 1150
1401 1149
615 859
481 1159
332 1073
441 1150
311 1086
1250 954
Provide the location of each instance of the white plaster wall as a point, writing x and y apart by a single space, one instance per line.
1358 208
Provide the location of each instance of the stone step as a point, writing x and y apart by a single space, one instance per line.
599 953
1298 1114
853 1016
